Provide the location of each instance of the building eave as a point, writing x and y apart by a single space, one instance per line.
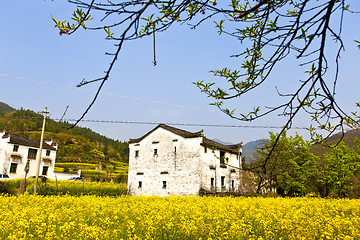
235 148
177 131
30 142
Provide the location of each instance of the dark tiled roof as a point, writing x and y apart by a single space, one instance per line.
31 142
206 142
229 148
177 131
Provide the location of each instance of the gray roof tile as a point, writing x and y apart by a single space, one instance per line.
31 142
206 142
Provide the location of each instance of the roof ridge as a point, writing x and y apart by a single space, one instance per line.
32 142
178 131
234 148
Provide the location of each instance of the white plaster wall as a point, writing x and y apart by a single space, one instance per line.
180 170
66 176
211 168
6 158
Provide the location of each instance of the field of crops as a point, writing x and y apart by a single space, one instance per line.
113 170
73 188
91 217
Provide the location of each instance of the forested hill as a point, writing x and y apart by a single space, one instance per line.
4 108
350 138
78 144
250 150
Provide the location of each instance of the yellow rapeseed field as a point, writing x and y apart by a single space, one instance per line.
92 217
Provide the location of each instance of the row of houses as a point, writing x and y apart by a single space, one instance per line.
165 161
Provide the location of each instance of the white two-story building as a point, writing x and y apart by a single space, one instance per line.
17 151
170 161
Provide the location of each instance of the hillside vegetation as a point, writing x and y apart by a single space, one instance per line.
96 155
4 108
350 139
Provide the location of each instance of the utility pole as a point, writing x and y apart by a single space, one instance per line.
38 161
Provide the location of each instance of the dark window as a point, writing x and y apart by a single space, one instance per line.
155 152
32 153
140 173
16 148
45 170
232 184
212 182
164 184
175 150
223 181
47 152
136 153
222 157
205 149
140 184
13 167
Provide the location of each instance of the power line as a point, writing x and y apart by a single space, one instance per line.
157 123
183 124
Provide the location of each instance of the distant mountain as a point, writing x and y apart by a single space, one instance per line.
4 108
250 150
348 139
222 142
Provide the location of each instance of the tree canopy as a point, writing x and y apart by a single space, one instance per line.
270 31
294 170
288 169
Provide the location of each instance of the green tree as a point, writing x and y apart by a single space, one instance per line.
289 169
338 171
269 31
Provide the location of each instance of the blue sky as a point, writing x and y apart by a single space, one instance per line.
39 68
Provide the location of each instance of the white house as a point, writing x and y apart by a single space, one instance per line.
17 151
170 161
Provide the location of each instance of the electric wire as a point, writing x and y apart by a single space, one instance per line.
157 123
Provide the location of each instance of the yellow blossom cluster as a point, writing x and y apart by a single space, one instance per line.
93 217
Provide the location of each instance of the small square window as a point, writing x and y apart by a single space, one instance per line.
222 157
45 170
13 167
140 184
47 153
155 152
16 148
223 181
136 153
164 185
32 153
